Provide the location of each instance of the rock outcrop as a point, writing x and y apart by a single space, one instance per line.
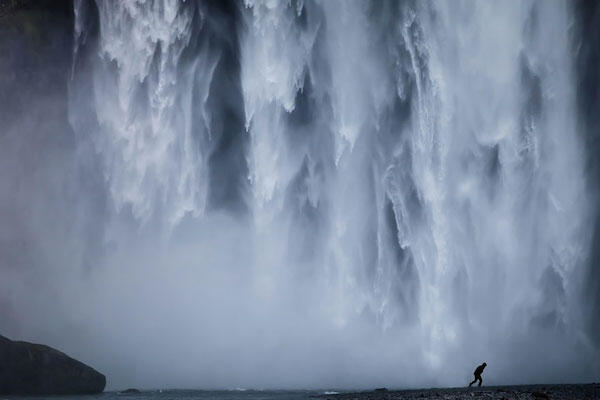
130 391
35 369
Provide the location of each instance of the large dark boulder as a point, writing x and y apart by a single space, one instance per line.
35 369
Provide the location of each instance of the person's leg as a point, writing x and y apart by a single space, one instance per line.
474 380
480 380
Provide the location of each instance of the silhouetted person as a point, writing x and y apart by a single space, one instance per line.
477 373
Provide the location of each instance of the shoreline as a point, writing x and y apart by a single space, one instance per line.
534 391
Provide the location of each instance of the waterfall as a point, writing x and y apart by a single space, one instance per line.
329 193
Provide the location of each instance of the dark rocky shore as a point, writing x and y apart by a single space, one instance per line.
35 369
537 392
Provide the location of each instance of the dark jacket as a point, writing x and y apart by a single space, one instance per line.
479 370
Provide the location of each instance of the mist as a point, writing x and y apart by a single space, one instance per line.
303 194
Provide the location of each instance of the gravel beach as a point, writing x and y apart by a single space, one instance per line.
575 391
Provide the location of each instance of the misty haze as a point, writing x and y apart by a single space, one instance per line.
303 194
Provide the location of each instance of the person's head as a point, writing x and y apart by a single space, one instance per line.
484 364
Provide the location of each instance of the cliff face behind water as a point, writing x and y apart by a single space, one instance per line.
587 67
36 139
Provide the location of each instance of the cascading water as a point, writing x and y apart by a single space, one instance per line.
329 193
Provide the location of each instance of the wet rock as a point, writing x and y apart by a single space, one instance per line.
535 392
130 391
539 395
35 369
